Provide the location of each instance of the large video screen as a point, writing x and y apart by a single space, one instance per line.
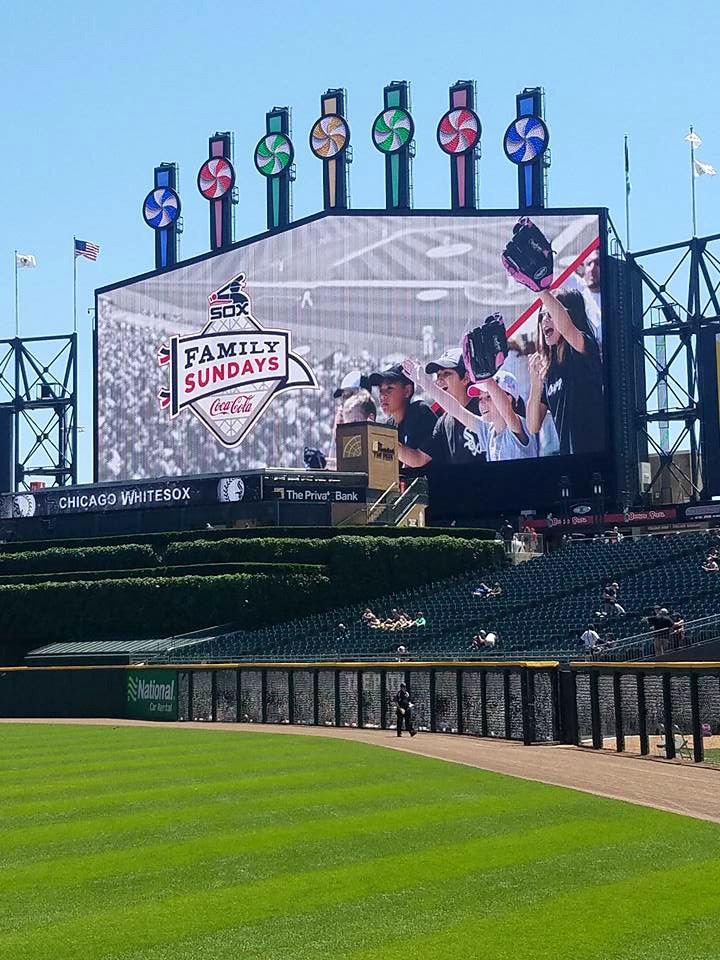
480 337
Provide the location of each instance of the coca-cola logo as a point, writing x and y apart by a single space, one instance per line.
228 374
242 403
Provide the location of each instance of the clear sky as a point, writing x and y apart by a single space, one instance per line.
96 95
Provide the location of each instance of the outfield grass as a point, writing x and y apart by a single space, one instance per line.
181 844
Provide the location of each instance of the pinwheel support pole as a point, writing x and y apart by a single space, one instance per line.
279 186
532 177
166 239
464 166
398 172
336 188
221 213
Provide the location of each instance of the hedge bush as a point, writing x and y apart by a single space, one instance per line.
161 540
363 563
281 580
119 557
193 570
153 607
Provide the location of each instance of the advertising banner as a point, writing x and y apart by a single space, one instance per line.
104 498
479 337
152 694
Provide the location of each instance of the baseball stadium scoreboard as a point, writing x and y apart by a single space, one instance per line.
241 359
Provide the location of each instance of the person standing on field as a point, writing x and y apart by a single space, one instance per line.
403 711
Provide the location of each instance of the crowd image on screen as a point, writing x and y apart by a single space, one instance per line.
545 398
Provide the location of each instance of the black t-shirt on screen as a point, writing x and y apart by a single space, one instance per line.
453 443
416 427
573 393
415 431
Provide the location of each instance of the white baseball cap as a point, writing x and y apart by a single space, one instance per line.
503 378
352 381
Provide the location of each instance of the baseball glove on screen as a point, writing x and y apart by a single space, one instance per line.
528 258
485 348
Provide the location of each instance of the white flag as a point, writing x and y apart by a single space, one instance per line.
694 139
25 260
702 169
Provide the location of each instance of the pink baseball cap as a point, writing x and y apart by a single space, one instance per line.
503 378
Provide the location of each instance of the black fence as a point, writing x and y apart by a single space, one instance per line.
663 710
511 702
671 711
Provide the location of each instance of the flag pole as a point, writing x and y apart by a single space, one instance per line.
17 300
692 180
74 286
627 196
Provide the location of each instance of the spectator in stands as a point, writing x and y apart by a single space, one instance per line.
661 624
370 619
483 590
590 640
710 565
404 711
611 608
677 632
483 640
506 532
420 620
402 651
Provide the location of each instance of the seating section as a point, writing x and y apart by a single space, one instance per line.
544 606
162 586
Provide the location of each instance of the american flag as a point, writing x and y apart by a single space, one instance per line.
83 248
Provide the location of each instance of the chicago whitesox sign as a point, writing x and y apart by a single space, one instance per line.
229 373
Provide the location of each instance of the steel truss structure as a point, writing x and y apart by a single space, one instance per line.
38 387
674 300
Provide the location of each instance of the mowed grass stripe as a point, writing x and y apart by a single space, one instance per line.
599 920
288 888
314 846
298 873
427 907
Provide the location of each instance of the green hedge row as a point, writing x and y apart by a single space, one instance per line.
119 557
191 570
365 560
160 541
129 606
150 607
360 563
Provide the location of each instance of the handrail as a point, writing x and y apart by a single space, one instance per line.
644 643
361 510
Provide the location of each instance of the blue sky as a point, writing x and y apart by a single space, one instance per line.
96 96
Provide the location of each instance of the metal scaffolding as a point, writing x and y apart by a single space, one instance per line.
38 387
674 298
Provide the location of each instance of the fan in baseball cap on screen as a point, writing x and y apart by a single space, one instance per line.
452 442
414 419
501 431
351 382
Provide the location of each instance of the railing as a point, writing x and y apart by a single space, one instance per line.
656 643
664 710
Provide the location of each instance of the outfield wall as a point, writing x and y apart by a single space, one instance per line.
623 707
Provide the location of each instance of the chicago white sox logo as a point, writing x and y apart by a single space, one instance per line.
229 373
